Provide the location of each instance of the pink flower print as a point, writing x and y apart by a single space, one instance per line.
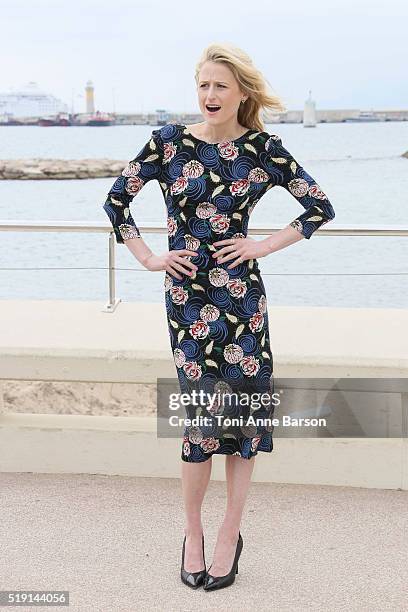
237 287
256 322
132 169
168 282
254 443
171 226
228 150
298 187
219 223
179 357
249 365
199 329
316 192
240 187
262 304
193 169
257 175
233 353
192 243
209 444
218 277
178 295
169 151
209 312
192 370
205 210
134 185
179 186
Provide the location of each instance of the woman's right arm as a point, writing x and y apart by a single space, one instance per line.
147 165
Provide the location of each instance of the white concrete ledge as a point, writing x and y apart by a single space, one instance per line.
85 365
72 340
129 446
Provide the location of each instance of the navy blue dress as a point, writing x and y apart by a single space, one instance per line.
218 317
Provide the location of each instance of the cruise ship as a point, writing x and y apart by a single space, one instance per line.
30 101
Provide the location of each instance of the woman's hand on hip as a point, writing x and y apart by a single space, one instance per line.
172 261
240 250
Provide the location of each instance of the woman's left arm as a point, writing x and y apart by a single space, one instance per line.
286 172
289 174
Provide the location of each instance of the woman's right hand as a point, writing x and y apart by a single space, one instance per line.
171 262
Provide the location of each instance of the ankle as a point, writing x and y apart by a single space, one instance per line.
229 532
193 532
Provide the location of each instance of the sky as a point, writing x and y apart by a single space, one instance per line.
141 54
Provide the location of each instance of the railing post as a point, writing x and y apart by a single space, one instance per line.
113 300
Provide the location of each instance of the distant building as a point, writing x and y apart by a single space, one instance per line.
90 101
309 112
30 101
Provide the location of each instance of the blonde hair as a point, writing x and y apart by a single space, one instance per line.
250 80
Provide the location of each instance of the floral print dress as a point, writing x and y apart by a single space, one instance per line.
218 317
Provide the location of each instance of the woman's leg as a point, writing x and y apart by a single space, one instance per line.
238 472
194 478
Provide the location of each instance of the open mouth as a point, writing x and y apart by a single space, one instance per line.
212 108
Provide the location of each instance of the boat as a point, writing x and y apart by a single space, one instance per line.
363 116
99 119
61 119
8 119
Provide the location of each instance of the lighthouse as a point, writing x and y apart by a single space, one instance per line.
309 112
89 93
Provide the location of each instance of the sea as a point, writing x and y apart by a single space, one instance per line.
358 165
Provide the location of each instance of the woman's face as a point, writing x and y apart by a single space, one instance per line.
218 86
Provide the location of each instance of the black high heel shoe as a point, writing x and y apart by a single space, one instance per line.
211 583
192 579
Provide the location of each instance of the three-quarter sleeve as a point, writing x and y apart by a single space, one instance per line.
147 165
288 173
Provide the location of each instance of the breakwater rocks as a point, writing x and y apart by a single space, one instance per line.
46 169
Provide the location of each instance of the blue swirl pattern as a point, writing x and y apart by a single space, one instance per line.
217 317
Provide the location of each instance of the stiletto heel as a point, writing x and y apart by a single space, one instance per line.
211 583
192 579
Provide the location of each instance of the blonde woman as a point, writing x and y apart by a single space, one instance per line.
212 174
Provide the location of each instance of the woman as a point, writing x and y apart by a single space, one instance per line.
212 174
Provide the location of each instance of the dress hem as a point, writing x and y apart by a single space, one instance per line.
209 455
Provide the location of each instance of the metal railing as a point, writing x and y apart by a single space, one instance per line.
158 228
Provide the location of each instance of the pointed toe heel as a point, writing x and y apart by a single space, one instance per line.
212 583
192 579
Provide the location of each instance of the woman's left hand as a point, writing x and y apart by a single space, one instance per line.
240 250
